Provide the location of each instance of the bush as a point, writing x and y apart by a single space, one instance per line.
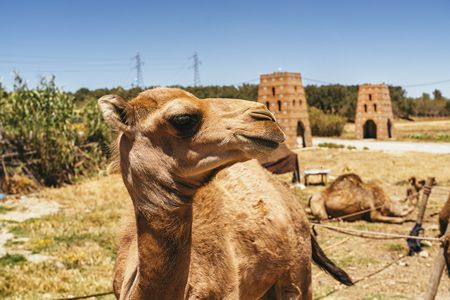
433 137
331 145
325 125
41 126
95 129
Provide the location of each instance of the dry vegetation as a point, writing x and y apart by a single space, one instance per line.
80 238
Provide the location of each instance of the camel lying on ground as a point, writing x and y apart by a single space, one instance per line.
205 226
444 217
348 194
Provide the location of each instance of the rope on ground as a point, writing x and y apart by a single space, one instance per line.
379 270
88 296
375 234
361 212
365 276
336 244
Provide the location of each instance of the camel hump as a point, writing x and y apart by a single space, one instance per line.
349 177
345 179
320 258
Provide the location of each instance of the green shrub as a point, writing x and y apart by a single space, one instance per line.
95 129
325 125
434 137
41 126
12 259
331 145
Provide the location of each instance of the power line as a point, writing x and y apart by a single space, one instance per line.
246 81
180 70
85 58
317 80
196 66
427 83
139 81
403 85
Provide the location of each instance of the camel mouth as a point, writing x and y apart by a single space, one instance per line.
263 142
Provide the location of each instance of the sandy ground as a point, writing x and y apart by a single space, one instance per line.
389 146
406 278
26 208
19 210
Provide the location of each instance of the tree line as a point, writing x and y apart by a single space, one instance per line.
330 99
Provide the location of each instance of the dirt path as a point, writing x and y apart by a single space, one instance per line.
20 210
388 146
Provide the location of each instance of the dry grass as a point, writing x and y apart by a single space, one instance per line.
361 256
81 236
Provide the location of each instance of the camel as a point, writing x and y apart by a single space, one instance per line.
208 222
348 194
413 190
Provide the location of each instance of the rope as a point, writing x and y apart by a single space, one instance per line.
337 244
380 269
376 234
366 276
361 212
87 296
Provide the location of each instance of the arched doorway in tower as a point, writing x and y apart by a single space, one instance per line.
370 130
389 128
301 133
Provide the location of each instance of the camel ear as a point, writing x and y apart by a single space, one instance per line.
412 180
116 112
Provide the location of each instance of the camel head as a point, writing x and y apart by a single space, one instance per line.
413 190
397 208
392 206
172 133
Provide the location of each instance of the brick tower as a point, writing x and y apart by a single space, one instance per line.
374 118
284 96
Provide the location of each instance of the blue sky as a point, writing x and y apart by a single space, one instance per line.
91 43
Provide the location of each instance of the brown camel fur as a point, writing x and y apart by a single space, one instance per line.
444 217
348 194
205 226
413 190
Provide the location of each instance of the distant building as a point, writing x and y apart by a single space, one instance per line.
374 118
284 96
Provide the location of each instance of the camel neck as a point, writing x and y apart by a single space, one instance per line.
163 222
164 249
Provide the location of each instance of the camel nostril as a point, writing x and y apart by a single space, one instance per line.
283 138
262 115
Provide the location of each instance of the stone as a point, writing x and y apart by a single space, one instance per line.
426 244
402 264
424 254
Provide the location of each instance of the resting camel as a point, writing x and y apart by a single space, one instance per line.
204 225
348 194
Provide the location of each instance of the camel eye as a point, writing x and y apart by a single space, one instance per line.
185 124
